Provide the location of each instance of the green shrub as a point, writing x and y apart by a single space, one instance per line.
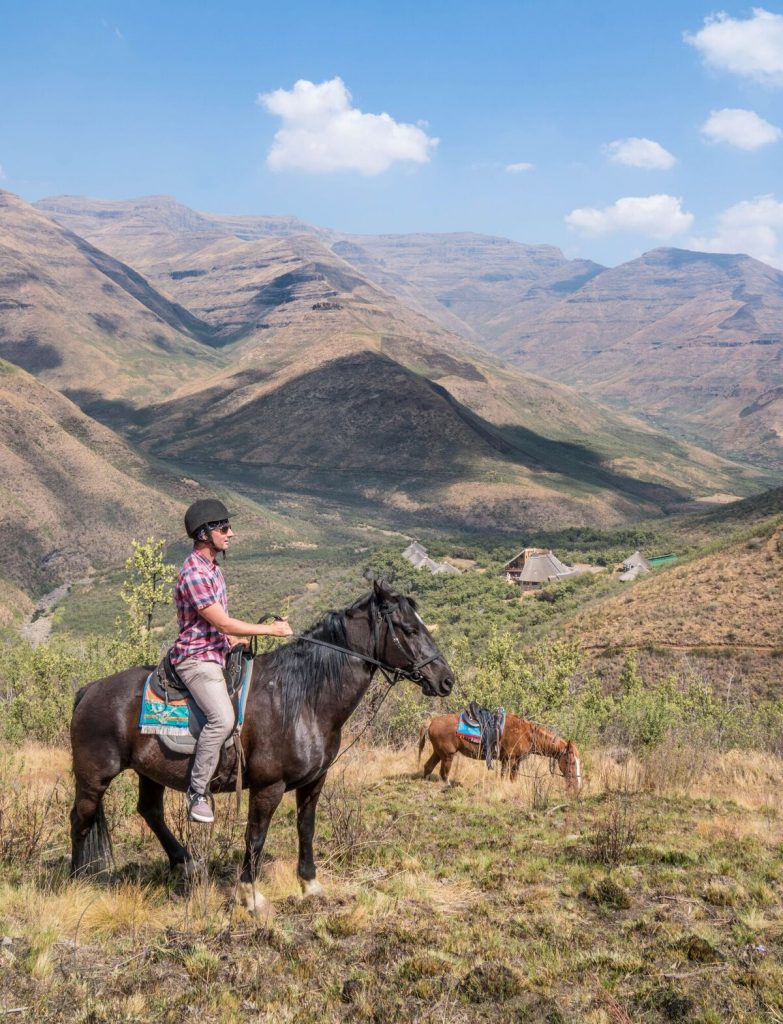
38 684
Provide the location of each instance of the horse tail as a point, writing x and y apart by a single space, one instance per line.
79 694
94 854
423 739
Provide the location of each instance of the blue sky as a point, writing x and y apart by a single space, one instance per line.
117 100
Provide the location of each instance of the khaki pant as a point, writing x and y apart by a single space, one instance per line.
205 681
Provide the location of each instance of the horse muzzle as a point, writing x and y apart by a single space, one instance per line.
441 688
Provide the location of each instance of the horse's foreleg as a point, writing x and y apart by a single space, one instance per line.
150 807
263 804
306 803
515 768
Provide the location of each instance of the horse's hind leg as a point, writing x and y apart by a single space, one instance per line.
91 851
263 804
429 767
306 803
150 807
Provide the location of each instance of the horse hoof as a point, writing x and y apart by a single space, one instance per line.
254 901
184 869
312 887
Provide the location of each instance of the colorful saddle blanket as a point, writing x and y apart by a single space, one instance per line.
468 730
179 720
483 727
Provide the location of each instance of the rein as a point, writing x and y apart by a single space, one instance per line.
392 675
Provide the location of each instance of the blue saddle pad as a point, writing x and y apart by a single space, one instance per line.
182 717
470 732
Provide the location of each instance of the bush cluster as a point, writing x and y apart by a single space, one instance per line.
546 683
483 629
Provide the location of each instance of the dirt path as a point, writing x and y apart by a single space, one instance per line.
37 627
701 646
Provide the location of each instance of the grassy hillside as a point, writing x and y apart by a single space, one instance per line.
715 612
655 897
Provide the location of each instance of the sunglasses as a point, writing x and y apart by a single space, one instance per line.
222 527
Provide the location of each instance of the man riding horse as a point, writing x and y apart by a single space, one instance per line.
206 634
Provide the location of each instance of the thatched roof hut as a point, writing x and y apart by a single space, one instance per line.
633 566
533 567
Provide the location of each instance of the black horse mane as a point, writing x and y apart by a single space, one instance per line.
306 672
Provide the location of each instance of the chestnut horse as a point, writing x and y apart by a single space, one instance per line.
520 739
300 697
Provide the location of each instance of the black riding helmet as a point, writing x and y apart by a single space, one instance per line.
201 513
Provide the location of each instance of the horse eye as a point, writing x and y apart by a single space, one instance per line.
407 630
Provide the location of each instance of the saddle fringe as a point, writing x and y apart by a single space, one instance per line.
162 730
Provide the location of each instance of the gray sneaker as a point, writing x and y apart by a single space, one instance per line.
199 808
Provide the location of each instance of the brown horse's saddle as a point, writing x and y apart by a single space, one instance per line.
481 726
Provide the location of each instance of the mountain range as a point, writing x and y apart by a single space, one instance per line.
691 342
279 357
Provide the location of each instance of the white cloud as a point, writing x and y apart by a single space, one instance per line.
323 132
754 226
753 47
658 216
519 168
640 153
741 128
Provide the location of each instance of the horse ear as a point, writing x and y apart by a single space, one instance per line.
379 587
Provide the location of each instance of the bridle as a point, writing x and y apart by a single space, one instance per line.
391 673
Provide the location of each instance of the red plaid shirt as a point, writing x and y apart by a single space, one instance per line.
200 584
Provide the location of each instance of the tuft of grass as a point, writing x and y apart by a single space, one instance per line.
615 832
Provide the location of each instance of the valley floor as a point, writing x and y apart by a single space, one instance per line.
656 896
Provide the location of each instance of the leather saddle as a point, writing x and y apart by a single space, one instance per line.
169 685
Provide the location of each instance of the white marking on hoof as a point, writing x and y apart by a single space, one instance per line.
312 887
253 900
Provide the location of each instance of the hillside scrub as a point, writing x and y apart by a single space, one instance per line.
545 683
487 900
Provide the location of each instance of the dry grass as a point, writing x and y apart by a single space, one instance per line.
469 902
726 602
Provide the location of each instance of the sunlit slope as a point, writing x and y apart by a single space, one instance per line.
689 341
73 493
717 612
80 320
692 340
466 277
147 230
330 380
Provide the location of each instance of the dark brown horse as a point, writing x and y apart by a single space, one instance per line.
520 739
300 697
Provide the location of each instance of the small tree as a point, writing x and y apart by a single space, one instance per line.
147 585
